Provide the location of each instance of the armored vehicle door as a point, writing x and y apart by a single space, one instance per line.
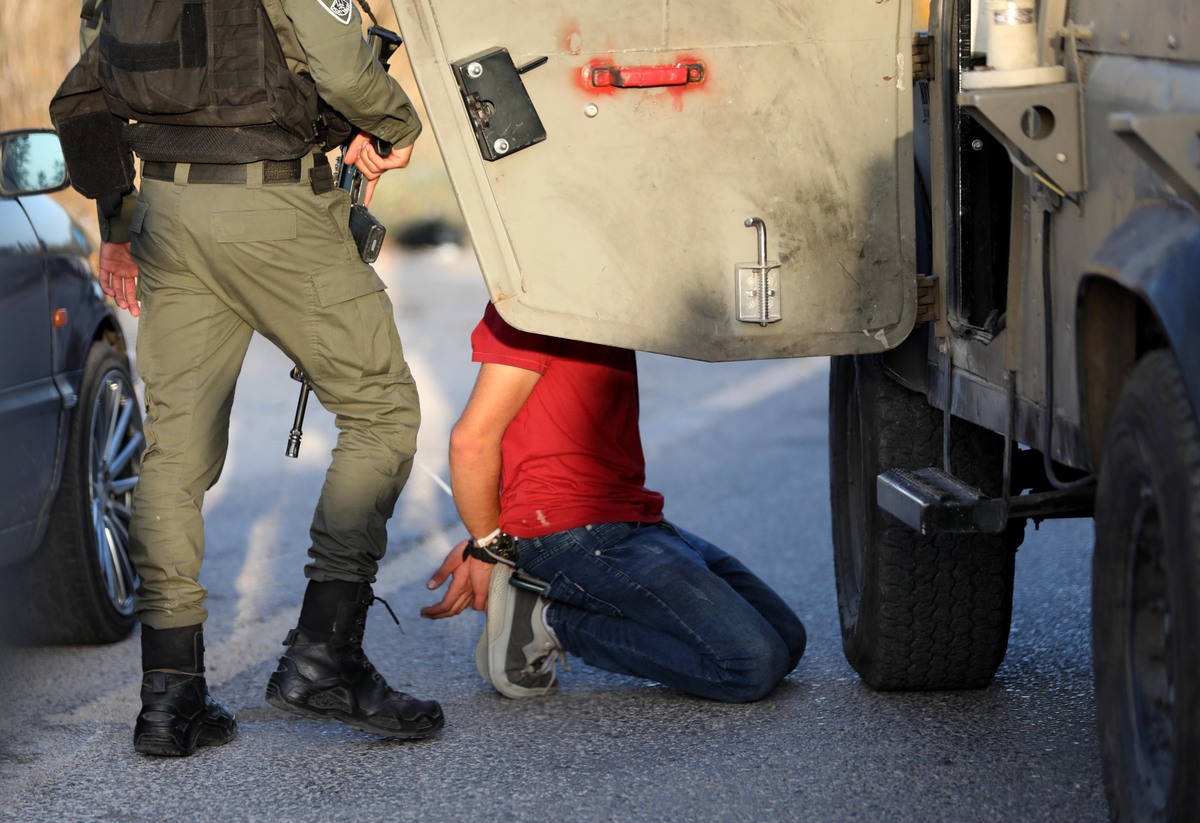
714 180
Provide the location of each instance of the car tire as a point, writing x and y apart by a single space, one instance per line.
916 612
78 586
1145 612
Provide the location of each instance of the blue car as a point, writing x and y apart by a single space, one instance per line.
70 422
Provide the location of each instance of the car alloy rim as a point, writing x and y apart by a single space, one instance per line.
116 446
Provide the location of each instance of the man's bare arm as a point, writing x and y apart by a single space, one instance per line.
500 392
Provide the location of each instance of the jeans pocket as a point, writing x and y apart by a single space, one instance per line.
566 590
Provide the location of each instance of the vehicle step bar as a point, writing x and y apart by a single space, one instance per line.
930 501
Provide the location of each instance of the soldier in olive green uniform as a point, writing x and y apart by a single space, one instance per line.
206 254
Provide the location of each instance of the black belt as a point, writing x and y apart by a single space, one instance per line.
273 171
320 176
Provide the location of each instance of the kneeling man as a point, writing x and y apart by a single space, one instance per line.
570 551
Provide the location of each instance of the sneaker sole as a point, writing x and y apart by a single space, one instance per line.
494 619
493 646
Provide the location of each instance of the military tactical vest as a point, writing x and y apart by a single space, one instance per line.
213 67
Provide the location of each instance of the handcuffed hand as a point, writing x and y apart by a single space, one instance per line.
468 584
118 276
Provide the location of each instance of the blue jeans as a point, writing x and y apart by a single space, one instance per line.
653 601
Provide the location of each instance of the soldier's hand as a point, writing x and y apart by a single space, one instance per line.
468 584
118 276
361 152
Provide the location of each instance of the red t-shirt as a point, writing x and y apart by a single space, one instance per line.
573 454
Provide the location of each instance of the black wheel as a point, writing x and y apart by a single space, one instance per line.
78 586
1145 612
916 612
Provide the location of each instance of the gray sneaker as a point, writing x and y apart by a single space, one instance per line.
518 651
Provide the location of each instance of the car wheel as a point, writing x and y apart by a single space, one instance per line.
78 587
917 612
1145 614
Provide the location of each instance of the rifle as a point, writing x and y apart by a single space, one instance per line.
368 232
293 444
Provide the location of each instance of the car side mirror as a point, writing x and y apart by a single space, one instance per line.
31 162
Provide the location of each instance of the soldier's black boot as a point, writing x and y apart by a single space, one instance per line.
325 673
178 714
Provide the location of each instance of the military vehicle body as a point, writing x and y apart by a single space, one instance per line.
985 208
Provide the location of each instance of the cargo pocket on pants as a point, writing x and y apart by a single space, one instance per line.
268 225
354 329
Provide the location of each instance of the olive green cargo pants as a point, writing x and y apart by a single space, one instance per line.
218 262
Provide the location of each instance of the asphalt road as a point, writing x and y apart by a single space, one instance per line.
740 450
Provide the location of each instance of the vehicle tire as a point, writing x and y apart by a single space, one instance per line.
917 612
1145 611
78 586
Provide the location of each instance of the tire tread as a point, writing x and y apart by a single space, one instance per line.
935 610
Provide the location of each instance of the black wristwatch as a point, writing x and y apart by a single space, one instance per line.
501 549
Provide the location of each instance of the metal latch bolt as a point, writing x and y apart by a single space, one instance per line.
498 106
758 283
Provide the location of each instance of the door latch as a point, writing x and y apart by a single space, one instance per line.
501 113
758 283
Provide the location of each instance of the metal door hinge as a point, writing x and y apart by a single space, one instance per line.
922 56
927 299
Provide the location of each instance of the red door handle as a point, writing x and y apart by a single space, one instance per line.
640 77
